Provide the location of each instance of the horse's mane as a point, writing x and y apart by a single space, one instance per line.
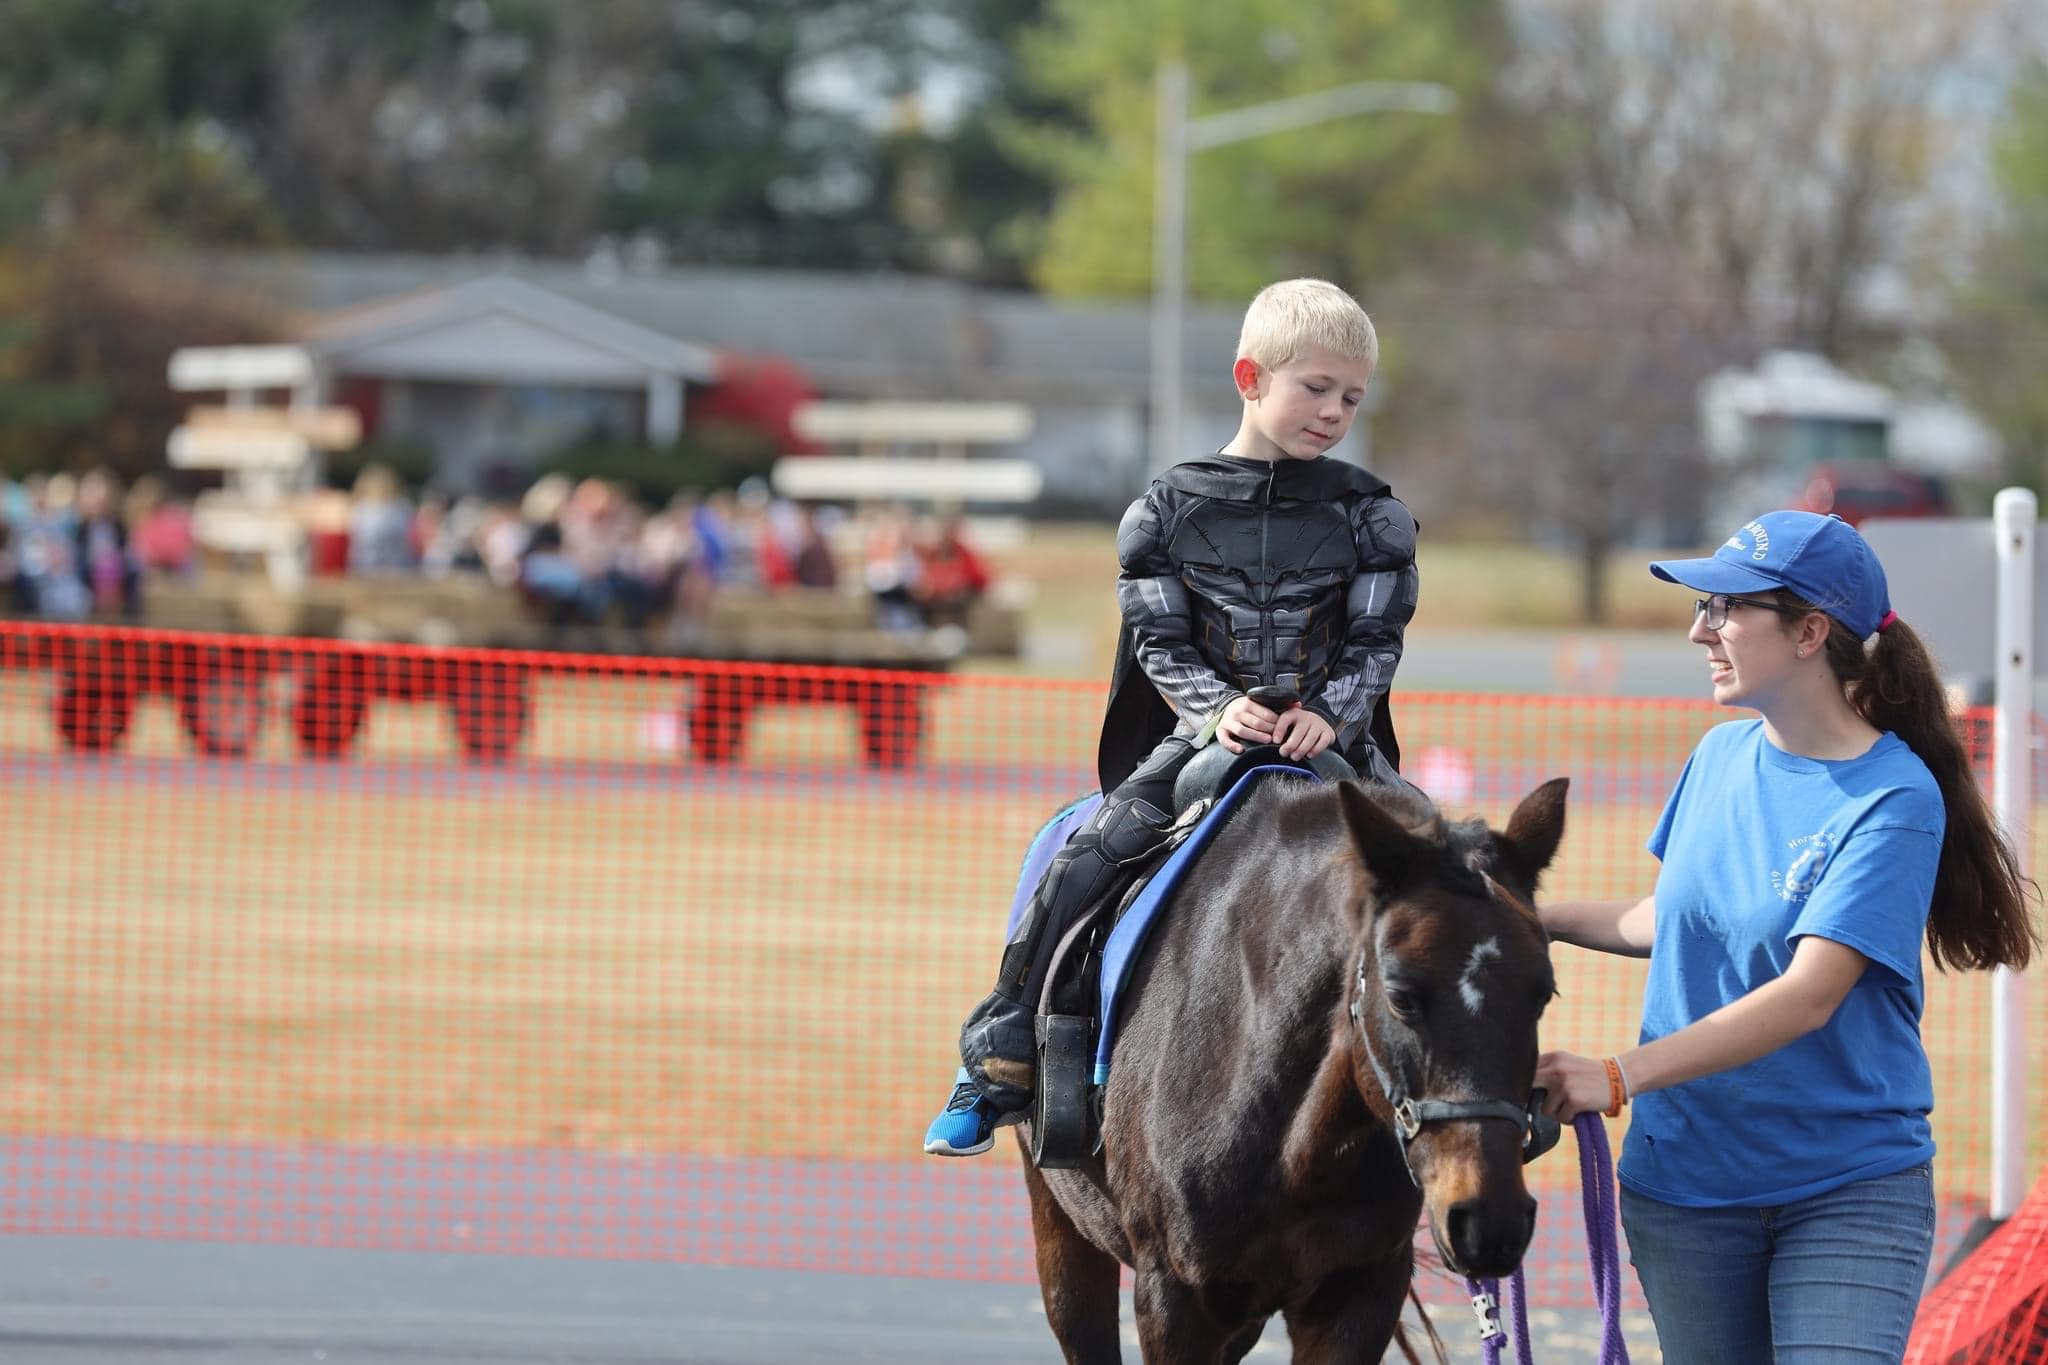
1469 840
1468 843
1416 812
1471 848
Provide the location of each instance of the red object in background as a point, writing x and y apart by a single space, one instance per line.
1993 1308
366 398
328 551
758 391
163 540
772 560
950 571
1855 490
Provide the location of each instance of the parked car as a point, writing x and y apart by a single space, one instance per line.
1855 490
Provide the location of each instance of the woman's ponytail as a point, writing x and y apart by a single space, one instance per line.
1980 917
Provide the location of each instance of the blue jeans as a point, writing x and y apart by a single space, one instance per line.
1831 1278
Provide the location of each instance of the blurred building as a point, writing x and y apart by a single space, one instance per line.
1796 431
489 357
492 373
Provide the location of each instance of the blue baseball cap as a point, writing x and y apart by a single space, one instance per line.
1820 558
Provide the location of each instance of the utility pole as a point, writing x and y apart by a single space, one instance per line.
1179 137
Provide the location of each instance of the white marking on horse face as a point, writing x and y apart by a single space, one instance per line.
1468 980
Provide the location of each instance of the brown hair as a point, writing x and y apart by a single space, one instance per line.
1979 917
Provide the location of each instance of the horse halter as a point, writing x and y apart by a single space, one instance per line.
1539 1130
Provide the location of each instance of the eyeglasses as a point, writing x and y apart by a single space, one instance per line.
1715 608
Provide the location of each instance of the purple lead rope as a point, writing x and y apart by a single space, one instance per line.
1596 1182
1596 1179
1486 1303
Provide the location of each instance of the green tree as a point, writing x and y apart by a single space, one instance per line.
86 349
474 124
135 69
140 114
361 123
90 324
1359 199
791 132
36 412
988 203
2000 342
769 132
117 135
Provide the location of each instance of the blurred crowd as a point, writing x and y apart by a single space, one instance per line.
77 546
578 551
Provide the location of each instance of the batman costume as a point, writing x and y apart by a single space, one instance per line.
1236 573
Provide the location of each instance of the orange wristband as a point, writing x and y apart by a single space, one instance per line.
1617 1093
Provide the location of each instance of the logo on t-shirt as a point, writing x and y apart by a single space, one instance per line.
1809 858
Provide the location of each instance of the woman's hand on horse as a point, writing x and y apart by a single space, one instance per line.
1302 734
1576 1085
1245 722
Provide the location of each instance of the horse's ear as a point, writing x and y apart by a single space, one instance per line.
1537 826
1391 854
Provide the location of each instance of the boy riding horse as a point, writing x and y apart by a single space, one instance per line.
1269 565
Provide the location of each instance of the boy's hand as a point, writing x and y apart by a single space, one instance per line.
1245 723
1302 734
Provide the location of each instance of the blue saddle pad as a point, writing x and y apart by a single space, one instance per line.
1130 933
1128 937
1048 841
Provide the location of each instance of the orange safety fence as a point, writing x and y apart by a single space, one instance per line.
1992 1308
322 943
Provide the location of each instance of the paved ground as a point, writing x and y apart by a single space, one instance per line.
115 1301
242 1252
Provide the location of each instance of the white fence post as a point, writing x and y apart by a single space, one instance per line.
2012 518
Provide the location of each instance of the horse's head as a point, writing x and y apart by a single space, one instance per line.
1453 972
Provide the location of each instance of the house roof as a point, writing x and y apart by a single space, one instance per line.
499 327
878 335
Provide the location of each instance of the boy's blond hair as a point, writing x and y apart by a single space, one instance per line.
1291 315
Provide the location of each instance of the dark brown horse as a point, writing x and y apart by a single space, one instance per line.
1334 1028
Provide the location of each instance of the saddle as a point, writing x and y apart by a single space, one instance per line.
1076 1022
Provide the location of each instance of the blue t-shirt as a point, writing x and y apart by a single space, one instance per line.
1759 849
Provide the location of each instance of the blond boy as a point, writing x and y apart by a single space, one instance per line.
1268 565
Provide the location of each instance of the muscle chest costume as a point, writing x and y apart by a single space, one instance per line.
1243 573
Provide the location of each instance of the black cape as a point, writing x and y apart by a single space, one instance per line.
1137 717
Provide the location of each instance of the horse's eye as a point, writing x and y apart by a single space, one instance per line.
1404 1001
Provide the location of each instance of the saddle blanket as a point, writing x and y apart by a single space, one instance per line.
1128 937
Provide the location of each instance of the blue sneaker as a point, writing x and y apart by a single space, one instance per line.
968 1125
